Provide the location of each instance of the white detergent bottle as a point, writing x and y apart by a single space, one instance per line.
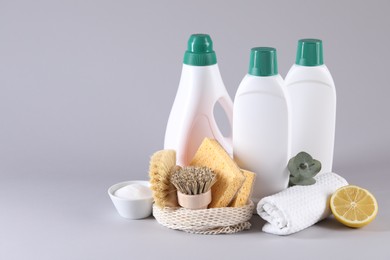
312 97
200 89
260 124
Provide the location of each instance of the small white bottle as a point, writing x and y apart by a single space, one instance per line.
312 98
260 124
200 89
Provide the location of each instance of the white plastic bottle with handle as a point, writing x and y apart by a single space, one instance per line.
312 97
200 89
260 124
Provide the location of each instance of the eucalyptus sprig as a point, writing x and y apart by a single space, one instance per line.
302 169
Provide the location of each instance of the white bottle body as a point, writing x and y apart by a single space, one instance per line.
192 115
311 95
260 133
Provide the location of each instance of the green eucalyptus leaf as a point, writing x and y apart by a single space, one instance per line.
295 179
303 157
315 166
305 182
303 168
292 168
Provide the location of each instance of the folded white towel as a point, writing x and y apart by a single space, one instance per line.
299 207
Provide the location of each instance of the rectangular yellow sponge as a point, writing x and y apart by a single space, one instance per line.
229 176
245 191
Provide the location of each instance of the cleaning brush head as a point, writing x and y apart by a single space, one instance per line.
193 180
162 164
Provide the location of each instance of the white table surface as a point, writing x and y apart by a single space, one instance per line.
63 216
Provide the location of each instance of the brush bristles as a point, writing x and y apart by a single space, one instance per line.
193 180
160 170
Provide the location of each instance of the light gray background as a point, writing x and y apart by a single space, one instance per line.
86 88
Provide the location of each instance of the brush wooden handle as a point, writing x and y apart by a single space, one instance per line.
200 201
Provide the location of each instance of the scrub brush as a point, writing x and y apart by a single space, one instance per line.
162 164
193 180
194 186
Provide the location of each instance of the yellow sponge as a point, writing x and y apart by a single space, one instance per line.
244 194
229 176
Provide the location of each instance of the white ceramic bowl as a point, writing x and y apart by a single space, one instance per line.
131 208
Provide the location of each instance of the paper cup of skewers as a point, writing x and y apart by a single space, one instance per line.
209 196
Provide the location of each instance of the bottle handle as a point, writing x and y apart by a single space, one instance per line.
225 141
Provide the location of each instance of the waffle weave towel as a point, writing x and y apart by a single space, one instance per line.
299 207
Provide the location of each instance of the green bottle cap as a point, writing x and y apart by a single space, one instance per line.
200 51
263 62
309 52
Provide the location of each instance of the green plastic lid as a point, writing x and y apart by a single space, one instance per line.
200 51
309 52
263 62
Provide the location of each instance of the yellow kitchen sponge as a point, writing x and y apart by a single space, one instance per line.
229 176
245 192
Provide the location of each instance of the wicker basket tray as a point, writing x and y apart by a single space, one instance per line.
205 221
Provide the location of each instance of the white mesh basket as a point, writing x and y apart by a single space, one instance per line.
205 221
